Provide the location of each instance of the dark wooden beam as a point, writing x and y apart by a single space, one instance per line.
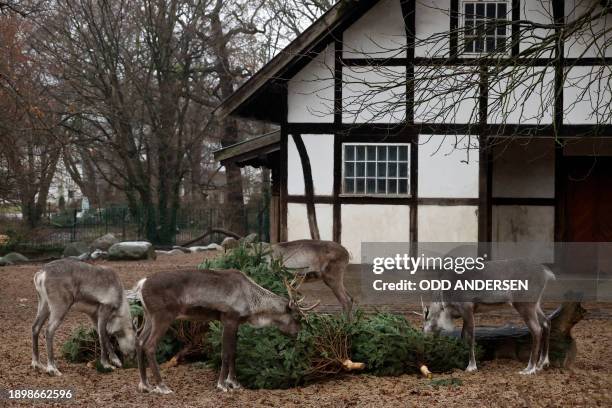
308 186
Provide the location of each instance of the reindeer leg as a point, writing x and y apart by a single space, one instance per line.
545 324
41 316
58 312
230 339
470 336
144 385
529 314
336 284
103 315
159 325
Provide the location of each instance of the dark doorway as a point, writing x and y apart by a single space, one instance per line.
588 199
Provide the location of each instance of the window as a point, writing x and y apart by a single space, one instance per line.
375 169
485 26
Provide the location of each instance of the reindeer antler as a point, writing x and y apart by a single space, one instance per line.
295 297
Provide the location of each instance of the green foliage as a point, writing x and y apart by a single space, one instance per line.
265 358
252 261
82 345
387 343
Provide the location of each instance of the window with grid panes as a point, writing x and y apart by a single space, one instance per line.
375 169
485 26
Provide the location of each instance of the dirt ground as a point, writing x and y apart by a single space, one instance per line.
495 384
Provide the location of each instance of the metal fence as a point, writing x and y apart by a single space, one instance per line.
61 227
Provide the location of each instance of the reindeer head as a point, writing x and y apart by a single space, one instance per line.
121 327
436 317
295 310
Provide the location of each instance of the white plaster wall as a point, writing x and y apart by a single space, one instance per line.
517 223
438 223
446 95
541 12
589 42
523 95
432 27
448 166
600 146
320 150
297 221
587 95
524 168
373 223
380 33
311 91
373 94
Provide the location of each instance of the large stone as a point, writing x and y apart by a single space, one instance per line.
171 252
209 247
4 262
132 250
230 243
99 254
15 257
104 242
75 249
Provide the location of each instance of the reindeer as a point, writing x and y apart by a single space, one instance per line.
438 316
93 290
225 295
317 260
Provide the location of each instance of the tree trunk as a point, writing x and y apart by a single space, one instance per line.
308 187
515 342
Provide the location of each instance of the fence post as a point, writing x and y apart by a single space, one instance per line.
74 225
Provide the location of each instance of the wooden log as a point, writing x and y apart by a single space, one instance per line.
211 231
515 342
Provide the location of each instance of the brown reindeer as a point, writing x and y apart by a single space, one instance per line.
317 260
203 295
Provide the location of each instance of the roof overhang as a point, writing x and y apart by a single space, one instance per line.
261 97
254 152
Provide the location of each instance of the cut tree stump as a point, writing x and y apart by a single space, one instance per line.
515 342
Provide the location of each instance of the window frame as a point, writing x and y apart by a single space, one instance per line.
462 20
397 177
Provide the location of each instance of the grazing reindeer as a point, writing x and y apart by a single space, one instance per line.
317 260
439 315
94 290
204 295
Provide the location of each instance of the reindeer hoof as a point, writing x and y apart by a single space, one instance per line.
53 371
144 387
162 389
471 369
116 362
234 385
106 365
528 371
222 387
37 366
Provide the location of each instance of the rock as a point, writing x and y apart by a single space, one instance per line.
98 254
131 250
4 262
209 247
172 252
229 243
15 257
185 250
75 249
104 242
249 239
83 257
